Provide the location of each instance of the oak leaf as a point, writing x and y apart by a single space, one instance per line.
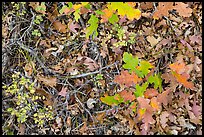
63 91
49 81
183 9
127 79
73 26
59 26
127 96
182 78
151 92
163 9
155 104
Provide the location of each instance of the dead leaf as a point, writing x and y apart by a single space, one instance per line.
91 64
29 68
152 40
49 81
22 128
155 104
183 9
73 26
163 9
127 79
90 103
100 117
59 26
164 118
151 92
63 91
127 96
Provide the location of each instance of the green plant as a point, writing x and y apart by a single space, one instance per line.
38 19
26 101
36 32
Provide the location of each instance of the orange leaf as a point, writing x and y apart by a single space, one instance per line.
127 79
183 9
155 104
179 67
162 9
60 27
149 93
127 96
107 14
183 80
141 113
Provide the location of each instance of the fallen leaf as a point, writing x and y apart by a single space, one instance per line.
91 64
183 9
127 79
100 117
151 92
49 81
179 67
155 104
22 128
90 103
73 26
164 118
152 40
29 68
163 9
63 91
163 97
59 26
127 96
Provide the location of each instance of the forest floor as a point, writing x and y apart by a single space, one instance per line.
101 68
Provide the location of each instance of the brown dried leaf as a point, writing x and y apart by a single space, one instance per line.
163 97
127 96
151 92
49 81
127 79
155 104
91 64
63 91
164 118
152 40
73 26
29 68
59 26
183 9
162 9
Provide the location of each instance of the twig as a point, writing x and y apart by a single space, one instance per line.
89 73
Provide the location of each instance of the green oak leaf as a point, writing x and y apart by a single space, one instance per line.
113 19
140 89
156 79
130 62
92 29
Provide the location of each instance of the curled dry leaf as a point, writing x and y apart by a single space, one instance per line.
90 103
